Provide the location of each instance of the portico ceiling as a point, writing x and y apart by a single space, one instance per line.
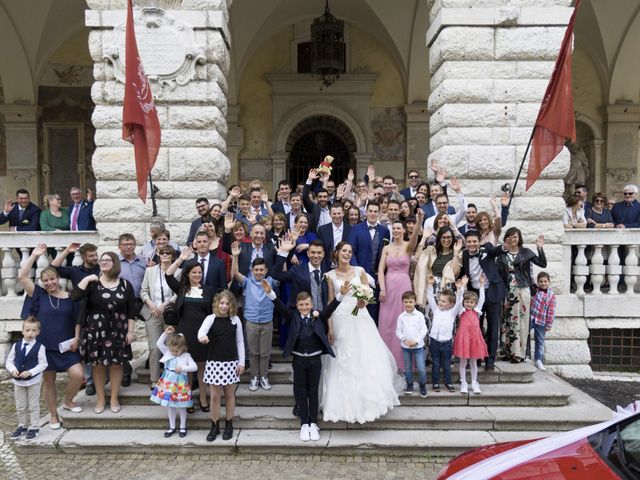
399 26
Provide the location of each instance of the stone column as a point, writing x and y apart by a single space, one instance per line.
235 141
184 46
21 132
489 72
623 121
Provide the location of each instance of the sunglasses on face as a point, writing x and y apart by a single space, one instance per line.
413 176
628 194
599 200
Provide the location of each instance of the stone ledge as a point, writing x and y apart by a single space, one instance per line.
497 16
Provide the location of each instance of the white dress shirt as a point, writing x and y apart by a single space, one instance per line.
39 368
337 233
458 216
205 269
413 327
443 320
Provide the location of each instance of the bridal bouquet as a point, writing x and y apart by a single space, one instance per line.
364 293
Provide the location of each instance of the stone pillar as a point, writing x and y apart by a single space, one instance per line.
417 137
235 141
184 46
279 166
623 121
489 72
21 132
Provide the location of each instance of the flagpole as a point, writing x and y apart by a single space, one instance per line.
153 197
515 184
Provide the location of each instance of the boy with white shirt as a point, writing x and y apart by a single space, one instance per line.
445 311
411 329
26 361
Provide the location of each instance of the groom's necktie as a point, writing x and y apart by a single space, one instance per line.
375 243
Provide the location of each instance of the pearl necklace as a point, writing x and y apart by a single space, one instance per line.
57 305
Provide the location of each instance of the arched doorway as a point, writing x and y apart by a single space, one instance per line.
314 138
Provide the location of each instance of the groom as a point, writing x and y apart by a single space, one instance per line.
367 240
307 341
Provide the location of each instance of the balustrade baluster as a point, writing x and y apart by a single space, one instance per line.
9 271
614 269
42 263
597 269
630 269
63 281
580 270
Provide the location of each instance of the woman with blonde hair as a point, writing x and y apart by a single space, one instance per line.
55 217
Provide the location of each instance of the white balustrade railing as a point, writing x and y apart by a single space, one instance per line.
594 259
13 242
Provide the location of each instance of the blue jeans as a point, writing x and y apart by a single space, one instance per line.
441 358
539 334
409 355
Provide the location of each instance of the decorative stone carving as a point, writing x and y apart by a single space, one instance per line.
167 47
621 175
22 176
579 167
388 128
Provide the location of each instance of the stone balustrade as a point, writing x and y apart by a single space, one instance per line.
13 242
599 259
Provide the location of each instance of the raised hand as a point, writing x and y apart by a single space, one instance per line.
8 205
346 286
313 174
420 217
435 166
185 253
39 250
252 217
236 192
169 330
342 188
457 247
504 199
229 221
455 184
286 244
464 280
371 172
266 287
441 174
73 247
90 195
540 242
483 280
235 249
264 196
351 176
431 280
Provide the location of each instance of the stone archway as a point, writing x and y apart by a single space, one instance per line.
314 138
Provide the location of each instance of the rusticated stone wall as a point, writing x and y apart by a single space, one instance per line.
193 157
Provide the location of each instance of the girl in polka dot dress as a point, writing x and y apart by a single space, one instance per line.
222 331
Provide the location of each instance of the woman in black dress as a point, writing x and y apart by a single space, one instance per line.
108 326
193 304
57 314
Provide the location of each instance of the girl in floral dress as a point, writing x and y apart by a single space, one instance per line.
173 389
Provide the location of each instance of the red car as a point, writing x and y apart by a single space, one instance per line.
609 450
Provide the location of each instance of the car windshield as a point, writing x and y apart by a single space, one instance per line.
619 446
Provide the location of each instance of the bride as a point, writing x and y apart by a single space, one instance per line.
358 384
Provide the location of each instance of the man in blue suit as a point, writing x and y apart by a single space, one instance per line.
81 211
414 179
481 260
306 277
214 273
367 240
333 233
22 215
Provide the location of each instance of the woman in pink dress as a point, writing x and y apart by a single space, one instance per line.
393 277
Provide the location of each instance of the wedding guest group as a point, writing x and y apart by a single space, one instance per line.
364 283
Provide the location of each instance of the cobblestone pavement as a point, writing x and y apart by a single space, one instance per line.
192 467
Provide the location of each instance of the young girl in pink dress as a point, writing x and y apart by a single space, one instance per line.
469 343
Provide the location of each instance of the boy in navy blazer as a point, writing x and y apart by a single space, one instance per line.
22 215
307 342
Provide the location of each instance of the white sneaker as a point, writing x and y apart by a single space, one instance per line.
253 385
264 383
314 432
475 386
540 365
464 388
304 433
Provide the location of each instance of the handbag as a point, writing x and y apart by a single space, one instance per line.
170 316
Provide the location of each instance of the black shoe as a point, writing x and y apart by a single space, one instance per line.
126 381
450 387
436 387
228 430
296 410
489 366
182 433
18 433
90 390
169 432
214 432
32 433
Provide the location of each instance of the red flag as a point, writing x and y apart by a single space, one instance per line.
140 124
555 122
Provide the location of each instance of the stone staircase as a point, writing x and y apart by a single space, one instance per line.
517 402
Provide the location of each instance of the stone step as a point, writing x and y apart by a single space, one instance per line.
544 393
577 412
267 441
504 373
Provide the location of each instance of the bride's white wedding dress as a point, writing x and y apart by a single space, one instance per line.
358 384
